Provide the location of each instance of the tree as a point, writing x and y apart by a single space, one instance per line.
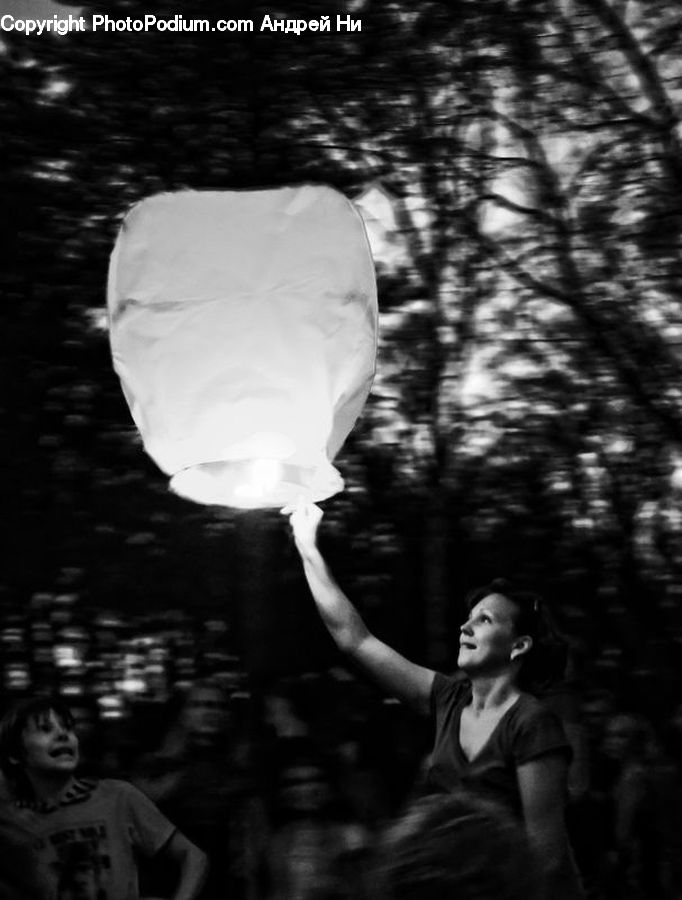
526 408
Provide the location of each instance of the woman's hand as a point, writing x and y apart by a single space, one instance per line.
304 518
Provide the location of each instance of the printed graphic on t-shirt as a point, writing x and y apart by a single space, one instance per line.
80 860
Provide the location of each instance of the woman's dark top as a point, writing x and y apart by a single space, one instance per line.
526 731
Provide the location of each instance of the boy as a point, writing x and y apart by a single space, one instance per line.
88 833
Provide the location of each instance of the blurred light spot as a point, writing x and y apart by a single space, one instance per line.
57 87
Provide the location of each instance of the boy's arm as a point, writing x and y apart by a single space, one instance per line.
192 863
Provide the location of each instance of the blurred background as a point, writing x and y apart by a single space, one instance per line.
518 166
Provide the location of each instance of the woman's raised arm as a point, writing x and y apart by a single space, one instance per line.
398 676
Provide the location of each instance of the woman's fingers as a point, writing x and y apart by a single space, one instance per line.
304 509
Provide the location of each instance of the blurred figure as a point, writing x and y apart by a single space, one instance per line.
491 735
455 847
88 834
640 801
18 877
205 776
672 746
317 843
330 715
588 812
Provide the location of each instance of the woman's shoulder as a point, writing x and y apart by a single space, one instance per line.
450 688
531 712
535 730
529 704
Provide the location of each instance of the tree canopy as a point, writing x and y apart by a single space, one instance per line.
524 160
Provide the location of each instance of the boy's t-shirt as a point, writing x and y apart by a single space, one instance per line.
87 847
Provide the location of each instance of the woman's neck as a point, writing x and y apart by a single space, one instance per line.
49 788
490 692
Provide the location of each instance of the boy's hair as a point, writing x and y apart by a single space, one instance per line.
12 727
455 846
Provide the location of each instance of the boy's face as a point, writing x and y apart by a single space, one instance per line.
50 746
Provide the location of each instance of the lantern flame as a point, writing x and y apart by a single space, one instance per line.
263 476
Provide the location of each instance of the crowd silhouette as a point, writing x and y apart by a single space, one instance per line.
295 789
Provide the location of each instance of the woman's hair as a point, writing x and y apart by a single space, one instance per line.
456 846
545 662
12 727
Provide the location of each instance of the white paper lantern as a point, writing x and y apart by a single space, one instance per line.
243 329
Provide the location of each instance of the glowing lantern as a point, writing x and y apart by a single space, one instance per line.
243 329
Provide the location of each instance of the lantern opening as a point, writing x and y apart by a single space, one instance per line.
252 483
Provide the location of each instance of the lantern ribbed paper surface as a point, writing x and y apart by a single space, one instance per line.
243 329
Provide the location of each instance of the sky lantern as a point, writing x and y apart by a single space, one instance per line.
243 329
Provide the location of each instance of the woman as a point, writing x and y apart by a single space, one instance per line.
491 736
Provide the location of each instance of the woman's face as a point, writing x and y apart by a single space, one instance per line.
50 745
488 641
